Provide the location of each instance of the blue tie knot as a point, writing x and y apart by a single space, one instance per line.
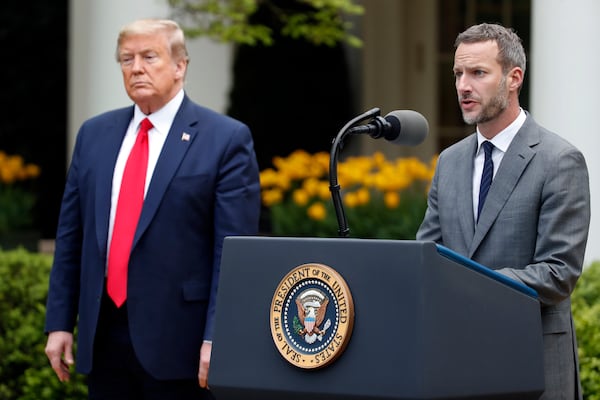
487 148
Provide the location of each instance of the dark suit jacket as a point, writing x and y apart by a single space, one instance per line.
533 227
202 190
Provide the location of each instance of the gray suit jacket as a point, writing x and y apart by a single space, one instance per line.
533 227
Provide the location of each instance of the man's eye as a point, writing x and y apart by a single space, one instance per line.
126 60
150 57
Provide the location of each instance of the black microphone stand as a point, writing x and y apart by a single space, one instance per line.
334 187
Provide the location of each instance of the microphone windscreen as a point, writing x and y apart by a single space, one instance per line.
408 127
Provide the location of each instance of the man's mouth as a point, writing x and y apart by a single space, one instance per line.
468 104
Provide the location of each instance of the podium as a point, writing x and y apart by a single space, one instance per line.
428 324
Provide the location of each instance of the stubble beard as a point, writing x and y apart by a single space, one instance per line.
491 109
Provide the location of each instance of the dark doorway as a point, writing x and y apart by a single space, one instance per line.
33 99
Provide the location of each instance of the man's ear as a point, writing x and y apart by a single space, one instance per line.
181 68
515 77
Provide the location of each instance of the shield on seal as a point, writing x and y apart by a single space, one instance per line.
309 320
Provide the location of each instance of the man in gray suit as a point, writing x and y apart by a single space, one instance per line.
533 224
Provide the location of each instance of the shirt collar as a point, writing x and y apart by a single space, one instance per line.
163 118
503 139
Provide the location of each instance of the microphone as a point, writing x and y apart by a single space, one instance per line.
402 127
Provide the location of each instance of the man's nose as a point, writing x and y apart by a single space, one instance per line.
138 64
462 84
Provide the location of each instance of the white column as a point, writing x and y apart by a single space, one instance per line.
565 84
95 82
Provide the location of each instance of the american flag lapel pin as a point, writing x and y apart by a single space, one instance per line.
185 137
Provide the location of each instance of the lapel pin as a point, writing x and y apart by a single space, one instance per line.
185 137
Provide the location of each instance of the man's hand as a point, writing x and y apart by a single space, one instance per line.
59 350
205 351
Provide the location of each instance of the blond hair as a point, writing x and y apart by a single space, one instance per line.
170 28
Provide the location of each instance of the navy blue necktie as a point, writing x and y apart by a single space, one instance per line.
486 176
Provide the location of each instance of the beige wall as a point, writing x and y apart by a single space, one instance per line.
399 66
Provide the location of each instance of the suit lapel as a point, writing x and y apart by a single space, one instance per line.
179 140
514 162
464 187
109 144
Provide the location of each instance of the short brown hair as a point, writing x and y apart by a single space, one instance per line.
510 48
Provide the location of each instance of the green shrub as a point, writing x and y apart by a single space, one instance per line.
586 312
25 373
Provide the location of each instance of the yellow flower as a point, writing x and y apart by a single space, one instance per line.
268 177
323 191
13 169
363 195
16 198
301 165
311 186
32 171
271 197
392 180
391 199
378 158
300 197
351 199
317 211
322 160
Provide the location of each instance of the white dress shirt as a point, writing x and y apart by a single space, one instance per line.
161 121
501 142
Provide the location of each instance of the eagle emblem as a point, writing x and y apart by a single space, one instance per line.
312 307
312 316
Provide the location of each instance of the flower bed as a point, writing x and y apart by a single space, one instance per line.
382 198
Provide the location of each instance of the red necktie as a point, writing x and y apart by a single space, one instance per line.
129 208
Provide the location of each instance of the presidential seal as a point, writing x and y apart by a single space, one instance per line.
312 315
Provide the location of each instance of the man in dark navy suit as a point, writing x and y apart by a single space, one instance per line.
153 339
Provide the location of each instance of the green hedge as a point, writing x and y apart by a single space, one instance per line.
586 311
25 372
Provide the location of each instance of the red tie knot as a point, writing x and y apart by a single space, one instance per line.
146 125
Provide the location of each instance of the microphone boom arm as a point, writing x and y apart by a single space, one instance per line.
334 187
